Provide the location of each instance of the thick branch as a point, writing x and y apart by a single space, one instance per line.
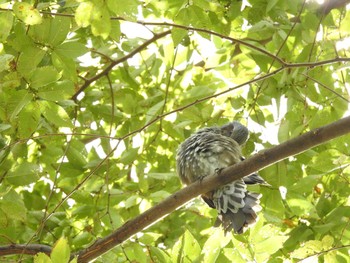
256 162
29 249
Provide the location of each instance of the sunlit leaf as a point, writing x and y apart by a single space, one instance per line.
42 258
83 14
44 76
60 252
13 207
28 120
71 49
23 174
27 13
55 114
29 59
53 31
58 91
6 21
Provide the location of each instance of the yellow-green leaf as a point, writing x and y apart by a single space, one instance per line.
42 258
44 76
27 13
61 251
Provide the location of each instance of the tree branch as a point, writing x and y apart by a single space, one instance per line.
28 249
258 161
118 61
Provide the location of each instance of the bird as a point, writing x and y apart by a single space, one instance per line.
210 150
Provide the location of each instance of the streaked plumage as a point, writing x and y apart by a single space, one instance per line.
206 152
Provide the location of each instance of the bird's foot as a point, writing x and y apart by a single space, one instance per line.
218 171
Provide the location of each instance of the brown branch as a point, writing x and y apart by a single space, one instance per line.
118 61
28 249
255 163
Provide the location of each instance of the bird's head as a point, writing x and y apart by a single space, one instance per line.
236 131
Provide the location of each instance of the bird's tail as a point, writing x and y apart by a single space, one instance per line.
236 206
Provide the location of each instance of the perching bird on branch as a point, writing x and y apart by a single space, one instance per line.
208 151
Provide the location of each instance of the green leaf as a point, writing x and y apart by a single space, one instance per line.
160 255
53 31
58 91
268 243
20 40
23 174
271 4
307 249
125 9
178 35
83 13
274 208
197 16
135 252
306 184
131 201
284 131
234 255
94 14
76 155
301 207
324 161
44 76
17 102
115 30
11 81
128 156
60 252
154 111
55 114
28 120
4 127
149 237
100 21
71 49
6 22
200 92
27 13
190 246
29 59
83 211
62 62
13 207
159 195
162 176
42 258
82 239
213 245
345 21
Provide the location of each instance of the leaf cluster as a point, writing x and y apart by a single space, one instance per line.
96 96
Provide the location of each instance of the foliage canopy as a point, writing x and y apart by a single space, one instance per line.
95 97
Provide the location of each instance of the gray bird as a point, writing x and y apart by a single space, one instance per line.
208 151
